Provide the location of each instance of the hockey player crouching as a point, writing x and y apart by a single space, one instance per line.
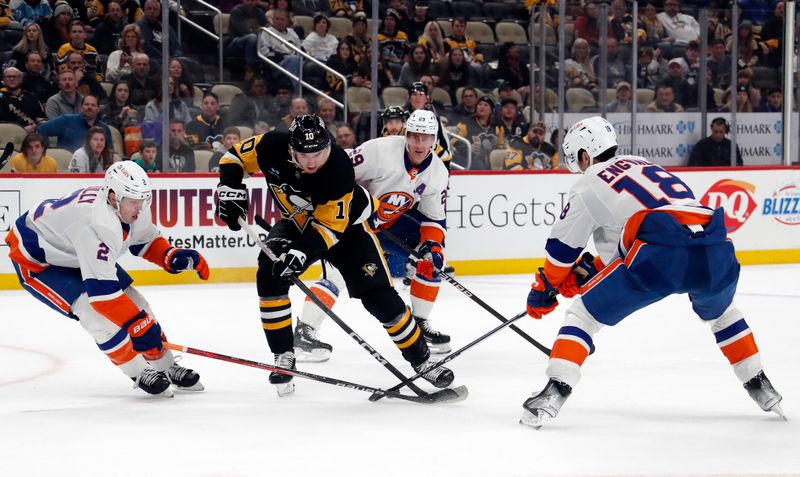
656 240
323 216
65 253
402 172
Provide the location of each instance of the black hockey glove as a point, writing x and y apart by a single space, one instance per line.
232 204
289 264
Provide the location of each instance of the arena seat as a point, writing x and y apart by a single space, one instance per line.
359 99
394 96
226 92
10 132
62 156
201 159
480 32
510 31
578 99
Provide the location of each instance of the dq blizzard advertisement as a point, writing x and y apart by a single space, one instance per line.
489 216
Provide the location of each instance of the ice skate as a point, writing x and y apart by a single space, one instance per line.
545 405
153 382
440 377
760 389
184 378
284 384
438 342
307 346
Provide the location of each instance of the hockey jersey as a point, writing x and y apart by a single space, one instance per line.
383 168
602 204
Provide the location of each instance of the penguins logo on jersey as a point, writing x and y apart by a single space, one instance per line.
370 269
293 205
393 205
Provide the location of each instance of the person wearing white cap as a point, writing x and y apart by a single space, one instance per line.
623 103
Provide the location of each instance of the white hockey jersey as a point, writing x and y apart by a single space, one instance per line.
605 197
382 167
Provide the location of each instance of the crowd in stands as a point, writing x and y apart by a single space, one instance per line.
78 75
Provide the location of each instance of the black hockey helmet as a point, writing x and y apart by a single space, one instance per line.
308 134
417 87
394 112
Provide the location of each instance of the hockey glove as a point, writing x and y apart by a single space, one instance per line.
542 297
289 264
582 271
178 260
232 204
145 333
431 260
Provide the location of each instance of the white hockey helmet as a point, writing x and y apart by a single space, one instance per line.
423 121
127 179
594 135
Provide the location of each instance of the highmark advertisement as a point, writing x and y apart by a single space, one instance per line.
497 223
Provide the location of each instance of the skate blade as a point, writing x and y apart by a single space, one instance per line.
439 348
777 409
167 393
284 389
535 421
196 388
315 356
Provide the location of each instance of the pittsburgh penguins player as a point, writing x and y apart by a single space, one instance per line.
323 215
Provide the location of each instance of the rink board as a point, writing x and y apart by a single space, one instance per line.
497 222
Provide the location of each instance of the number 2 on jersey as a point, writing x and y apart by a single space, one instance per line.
671 186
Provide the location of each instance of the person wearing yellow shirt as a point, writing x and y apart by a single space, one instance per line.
32 159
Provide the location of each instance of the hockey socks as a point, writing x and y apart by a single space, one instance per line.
276 319
736 341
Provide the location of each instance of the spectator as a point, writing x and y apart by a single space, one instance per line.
255 105
32 40
146 159
692 57
756 11
514 71
56 28
184 86
536 152
132 10
720 64
230 137
109 29
205 130
120 61
392 41
616 70
359 39
344 63
578 68
655 33
714 150
774 102
153 32
680 87
181 156
33 158
96 155
586 26
118 106
621 23
772 35
459 39
277 51
345 137
453 73
743 100
718 25
467 105
326 109
246 21
87 83
652 67
404 23
30 12
67 100
77 44
509 123
419 21
143 86
623 103
433 40
177 108
297 107
345 8
71 129
320 43
363 75
480 132
35 80
681 28
286 5
750 46
418 64
664 101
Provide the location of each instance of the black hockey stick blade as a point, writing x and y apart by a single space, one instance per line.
6 155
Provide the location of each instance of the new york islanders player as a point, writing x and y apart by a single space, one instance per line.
655 240
402 172
65 253
324 216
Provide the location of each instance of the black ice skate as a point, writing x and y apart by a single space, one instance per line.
438 342
760 389
307 347
184 378
440 377
545 405
283 382
153 382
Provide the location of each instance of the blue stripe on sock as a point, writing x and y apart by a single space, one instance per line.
114 341
575 331
731 330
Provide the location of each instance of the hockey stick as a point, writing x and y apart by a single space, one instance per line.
449 279
437 397
6 154
452 355
347 329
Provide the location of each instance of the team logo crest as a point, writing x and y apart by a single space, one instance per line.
370 269
293 205
393 205
736 197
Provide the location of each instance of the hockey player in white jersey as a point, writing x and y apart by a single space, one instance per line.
654 239
65 253
401 172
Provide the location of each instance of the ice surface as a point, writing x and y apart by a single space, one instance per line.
658 398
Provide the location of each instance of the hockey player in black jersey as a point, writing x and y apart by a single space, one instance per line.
323 214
